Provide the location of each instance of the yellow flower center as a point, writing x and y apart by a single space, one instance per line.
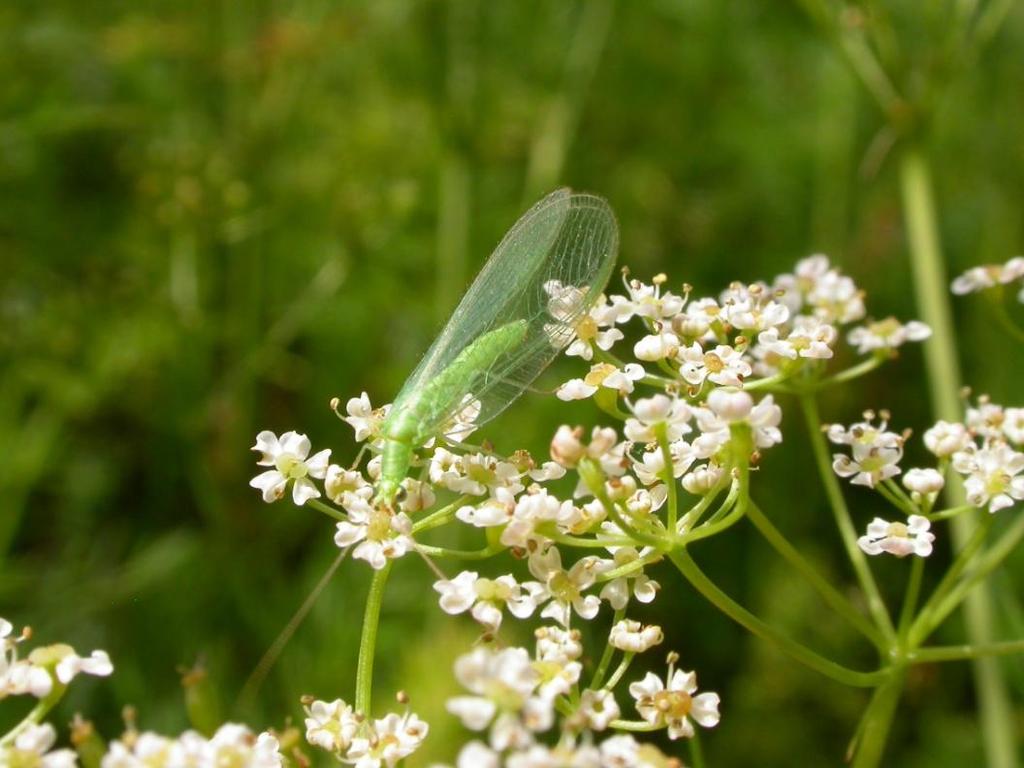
291 467
673 705
713 362
599 373
379 526
586 328
898 530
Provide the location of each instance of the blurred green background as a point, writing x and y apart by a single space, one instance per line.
215 216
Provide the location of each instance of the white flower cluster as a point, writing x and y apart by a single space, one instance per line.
875 451
46 670
232 745
33 746
756 328
991 275
713 364
987 455
984 449
515 696
37 673
355 740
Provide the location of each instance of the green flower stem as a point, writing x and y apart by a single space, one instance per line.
910 598
874 728
901 496
620 670
593 477
961 652
327 509
714 528
696 753
770 383
625 570
606 657
932 288
948 513
925 622
984 565
38 712
634 726
830 594
682 560
887 493
368 640
668 475
842 517
578 541
694 513
439 517
462 554
727 505
851 373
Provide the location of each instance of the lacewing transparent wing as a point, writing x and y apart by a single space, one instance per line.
519 313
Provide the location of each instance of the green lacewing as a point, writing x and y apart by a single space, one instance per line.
519 313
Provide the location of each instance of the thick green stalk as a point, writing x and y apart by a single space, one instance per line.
944 379
877 720
368 640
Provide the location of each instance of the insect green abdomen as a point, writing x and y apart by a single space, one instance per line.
415 420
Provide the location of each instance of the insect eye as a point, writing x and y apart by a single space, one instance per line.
401 495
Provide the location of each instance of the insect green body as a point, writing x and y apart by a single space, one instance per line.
403 429
519 313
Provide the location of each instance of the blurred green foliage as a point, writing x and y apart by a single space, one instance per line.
215 216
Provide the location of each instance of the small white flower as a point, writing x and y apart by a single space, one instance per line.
363 418
484 597
986 419
31 749
657 346
876 452
976 279
674 704
288 455
331 725
394 737
649 412
598 709
575 389
504 684
900 539
378 533
558 644
1013 425
589 333
532 511
923 481
836 298
97 663
752 308
565 588
993 476
869 465
633 637
648 301
723 365
887 334
703 479
946 438
339 481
